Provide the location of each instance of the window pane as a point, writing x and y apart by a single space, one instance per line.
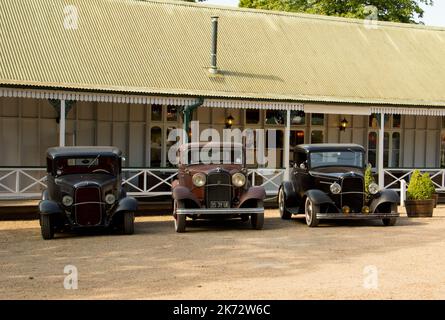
252 116
372 140
317 119
373 121
172 113
156 112
296 137
395 158
396 141
386 141
156 144
278 138
297 117
396 120
317 136
372 157
275 117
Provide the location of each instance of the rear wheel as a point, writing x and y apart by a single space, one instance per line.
257 219
180 219
310 211
128 226
47 227
284 214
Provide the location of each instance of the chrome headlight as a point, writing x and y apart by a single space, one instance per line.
238 179
67 201
373 188
110 198
199 179
335 188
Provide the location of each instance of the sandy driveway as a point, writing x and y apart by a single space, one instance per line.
286 260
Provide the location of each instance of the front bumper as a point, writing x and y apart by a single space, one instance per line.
228 211
356 216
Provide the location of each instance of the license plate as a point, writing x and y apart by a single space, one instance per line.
219 204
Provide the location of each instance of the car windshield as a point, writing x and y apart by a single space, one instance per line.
347 158
83 165
212 155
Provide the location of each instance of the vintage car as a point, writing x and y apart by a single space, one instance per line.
84 190
327 182
216 189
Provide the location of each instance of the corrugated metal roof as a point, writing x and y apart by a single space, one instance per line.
159 47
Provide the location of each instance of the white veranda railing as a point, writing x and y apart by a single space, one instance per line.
29 182
394 177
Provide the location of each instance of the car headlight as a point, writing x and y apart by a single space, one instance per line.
110 198
238 179
67 201
199 179
335 188
373 188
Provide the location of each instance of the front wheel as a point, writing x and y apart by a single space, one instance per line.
180 219
128 226
284 214
257 219
47 227
310 211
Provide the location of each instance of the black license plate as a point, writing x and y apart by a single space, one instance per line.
219 204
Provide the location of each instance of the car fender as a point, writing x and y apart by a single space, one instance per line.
318 197
127 204
290 196
253 193
49 207
384 196
183 193
45 194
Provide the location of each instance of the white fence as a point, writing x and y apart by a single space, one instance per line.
28 182
394 177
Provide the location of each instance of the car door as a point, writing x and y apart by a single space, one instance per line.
300 174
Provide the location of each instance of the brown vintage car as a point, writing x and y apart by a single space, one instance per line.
216 189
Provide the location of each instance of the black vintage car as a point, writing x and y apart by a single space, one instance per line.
327 182
85 191
216 190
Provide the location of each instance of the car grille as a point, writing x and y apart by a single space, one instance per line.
218 190
88 209
353 193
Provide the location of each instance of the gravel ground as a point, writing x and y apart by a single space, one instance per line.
286 260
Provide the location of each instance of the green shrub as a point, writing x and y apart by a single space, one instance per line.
420 187
369 178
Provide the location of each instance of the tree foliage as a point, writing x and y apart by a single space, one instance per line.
407 11
369 178
420 187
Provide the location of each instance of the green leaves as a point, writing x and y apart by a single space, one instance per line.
369 178
420 187
407 11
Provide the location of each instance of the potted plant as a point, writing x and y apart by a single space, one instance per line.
420 202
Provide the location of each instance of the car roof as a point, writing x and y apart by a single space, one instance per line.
330 147
88 151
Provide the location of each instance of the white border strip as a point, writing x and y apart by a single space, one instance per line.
409 111
139 99
246 104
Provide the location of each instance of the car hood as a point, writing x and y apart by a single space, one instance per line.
336 173
84 180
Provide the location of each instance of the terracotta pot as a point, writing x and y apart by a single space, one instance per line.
436 199
419 208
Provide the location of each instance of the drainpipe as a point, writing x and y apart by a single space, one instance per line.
187 112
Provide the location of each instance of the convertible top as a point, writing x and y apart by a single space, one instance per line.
330 147
56 152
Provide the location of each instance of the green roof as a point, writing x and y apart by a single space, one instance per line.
163 47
